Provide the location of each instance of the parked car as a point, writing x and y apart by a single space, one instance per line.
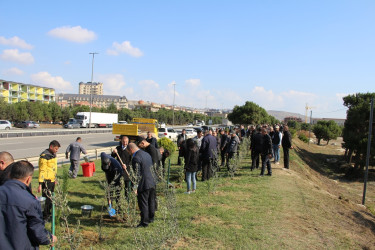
72 123
170 133
36 125
4 124
190 132
190 124
25 124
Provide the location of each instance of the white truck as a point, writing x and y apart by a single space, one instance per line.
98 120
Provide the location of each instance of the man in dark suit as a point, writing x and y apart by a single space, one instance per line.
286 142
181 139
146 190
125 158
209 153
152 140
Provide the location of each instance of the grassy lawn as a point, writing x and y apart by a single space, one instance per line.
294 209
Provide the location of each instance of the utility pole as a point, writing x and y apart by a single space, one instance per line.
174 96
92 79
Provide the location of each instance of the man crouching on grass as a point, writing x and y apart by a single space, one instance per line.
21 220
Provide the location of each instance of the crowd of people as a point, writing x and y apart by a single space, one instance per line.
208 147
22 221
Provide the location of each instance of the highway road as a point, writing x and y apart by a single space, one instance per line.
32 146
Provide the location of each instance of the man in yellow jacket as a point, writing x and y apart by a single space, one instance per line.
47 175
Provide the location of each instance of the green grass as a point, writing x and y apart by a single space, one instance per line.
244 212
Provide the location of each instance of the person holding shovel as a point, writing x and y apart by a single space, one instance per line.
113 172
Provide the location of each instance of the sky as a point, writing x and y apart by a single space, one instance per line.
281 55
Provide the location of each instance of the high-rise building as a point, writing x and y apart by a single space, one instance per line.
13 92
96 88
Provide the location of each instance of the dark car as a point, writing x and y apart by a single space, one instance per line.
73 123
25 124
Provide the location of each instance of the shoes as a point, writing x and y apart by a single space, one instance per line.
269 174
262 175
152 220
188 192
193 191
277 163
251 168
142 225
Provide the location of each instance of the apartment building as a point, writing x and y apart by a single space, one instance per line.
96 88
13 92
100 101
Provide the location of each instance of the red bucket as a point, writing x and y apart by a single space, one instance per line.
88 168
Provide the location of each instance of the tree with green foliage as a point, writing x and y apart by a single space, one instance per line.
355 133
250 113
326 130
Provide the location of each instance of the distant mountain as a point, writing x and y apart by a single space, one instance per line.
280 115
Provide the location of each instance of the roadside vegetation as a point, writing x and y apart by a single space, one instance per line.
310 206
52 112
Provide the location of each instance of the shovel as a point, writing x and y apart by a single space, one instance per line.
111 211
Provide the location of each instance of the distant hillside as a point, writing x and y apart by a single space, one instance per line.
280 115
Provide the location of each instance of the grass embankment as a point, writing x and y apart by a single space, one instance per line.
294 209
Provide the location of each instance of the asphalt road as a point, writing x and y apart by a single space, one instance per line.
32 146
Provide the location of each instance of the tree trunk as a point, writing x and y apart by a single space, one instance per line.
350 156
319 141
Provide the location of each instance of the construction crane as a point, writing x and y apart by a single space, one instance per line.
307 107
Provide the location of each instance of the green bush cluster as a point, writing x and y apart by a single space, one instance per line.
303 138
167 144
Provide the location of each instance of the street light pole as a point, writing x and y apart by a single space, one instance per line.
92 79
174 96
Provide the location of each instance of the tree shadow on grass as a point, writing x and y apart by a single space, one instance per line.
318 162
362 220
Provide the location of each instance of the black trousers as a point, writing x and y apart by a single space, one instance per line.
286 157
255 159
222 153
147 205
47 187
206 169
266 162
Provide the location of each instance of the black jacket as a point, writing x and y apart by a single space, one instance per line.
191 160
125 157
142 164
153 141
154 154
257 142
21 219
266 145
115 171
286 142
223 141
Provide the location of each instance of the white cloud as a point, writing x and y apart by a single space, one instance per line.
56 82
75 34
15 42
124 47
112 83
149 85
13 71
193 83
13 55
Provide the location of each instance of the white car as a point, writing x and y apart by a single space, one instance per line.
190 132
4 124
190 124
170 133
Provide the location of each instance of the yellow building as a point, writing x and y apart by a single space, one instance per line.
13 92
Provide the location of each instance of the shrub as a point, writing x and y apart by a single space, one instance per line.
303 138
167 144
